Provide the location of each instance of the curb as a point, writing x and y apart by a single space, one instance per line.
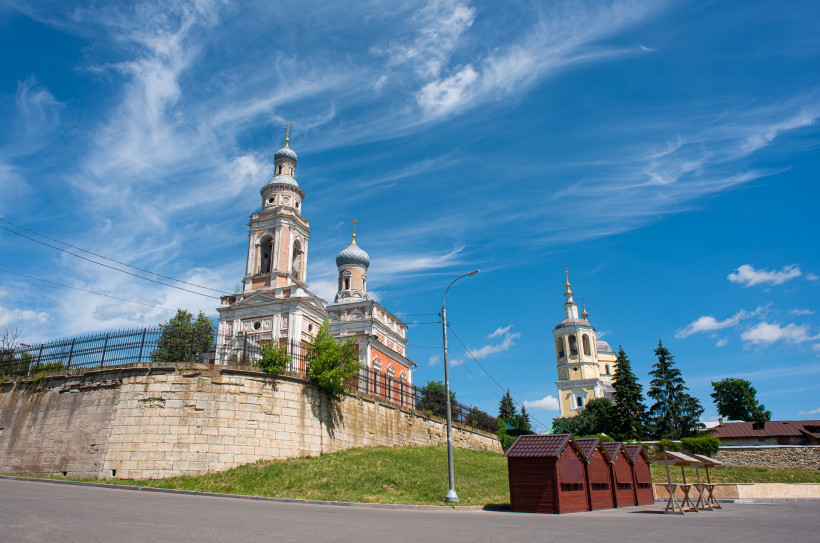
258 498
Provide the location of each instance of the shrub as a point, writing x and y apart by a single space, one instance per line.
504 438
668 445
274 358
332 366
603 437
707 445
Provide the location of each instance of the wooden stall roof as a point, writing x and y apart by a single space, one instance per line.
673 458
538 446
774 428
706 462
613 449
633 450
587 445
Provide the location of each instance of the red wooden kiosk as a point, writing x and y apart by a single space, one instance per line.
546 474
641 476
597 473
621 473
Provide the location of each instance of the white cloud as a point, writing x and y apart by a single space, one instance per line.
439 98
547 403
747 276
801 312
434 360
708 323
810 412
765 333
500 331
721 342
487 350
14 318
812 277
455 362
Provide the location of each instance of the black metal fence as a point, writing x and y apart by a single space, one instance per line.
148 345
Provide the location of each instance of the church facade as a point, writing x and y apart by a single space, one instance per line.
276 304
585 363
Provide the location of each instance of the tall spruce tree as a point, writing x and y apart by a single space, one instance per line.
522 420
675 413
630 411
506 408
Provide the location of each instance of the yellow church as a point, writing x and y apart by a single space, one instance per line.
585 363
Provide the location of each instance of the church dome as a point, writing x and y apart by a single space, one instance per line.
352 255
284 180
285 152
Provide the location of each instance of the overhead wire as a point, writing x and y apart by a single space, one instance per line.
102 256
85 290
111 267
491 377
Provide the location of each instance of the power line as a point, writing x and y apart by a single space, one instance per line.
101 256
111 267
84 290
490 376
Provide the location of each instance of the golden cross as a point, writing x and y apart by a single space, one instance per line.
353 222
287 132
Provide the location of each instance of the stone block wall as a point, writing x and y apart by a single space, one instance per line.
774 457
147 422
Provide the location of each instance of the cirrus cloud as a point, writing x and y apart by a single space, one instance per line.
747 276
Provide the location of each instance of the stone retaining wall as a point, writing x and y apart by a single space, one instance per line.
140 421
780 457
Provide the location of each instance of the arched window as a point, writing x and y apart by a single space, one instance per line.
402 388
607 369
390 384
377 372
580 400
265 252
559 346
573 345
296 264
280 170
585 339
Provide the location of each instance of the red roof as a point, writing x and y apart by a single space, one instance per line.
544 445
774 428
587 445
613 448
633 450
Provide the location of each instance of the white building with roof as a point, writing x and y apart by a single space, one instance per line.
585 363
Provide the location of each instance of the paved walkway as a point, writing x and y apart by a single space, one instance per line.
41 511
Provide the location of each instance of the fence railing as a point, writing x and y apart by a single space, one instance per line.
149 345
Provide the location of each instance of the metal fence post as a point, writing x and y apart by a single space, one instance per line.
142 344
105 347
71 352
244 349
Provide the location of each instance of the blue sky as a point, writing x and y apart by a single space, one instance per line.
665 152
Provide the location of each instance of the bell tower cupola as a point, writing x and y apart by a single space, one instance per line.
352 263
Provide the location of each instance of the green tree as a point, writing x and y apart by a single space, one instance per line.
598 417
332 366
675 413
506 408
182 338
522 420
433 396
275 358
630 411
736 399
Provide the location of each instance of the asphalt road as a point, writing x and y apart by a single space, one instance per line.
40 511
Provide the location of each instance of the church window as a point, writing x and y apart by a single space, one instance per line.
587 351
573 345
580 400
377 370
607 369
390 383
280 170
559 347
265 251
270 200
297 205
296 264
257 325
347 283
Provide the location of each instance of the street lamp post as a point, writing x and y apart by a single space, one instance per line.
451 496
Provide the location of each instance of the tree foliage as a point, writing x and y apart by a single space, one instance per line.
675 413
736 399
522 421
630 411
332 366
506 407
503 437
433 398
275 358
598 417
182 339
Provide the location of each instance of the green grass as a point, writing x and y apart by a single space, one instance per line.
414 475
726 474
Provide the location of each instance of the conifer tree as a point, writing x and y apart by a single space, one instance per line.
675 413
630 411
522 420
506 408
